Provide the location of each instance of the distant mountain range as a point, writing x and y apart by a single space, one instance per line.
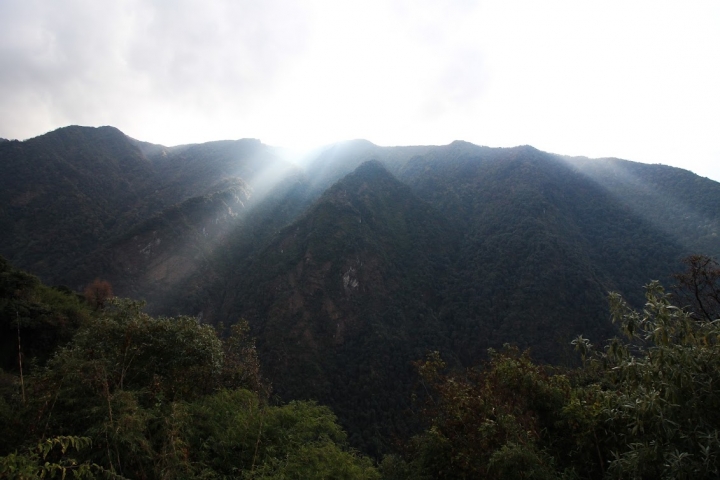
358 260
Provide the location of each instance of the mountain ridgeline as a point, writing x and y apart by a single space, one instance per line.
356 261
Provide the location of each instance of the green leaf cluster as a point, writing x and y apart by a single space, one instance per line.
44 317
646 407
144 397
38 462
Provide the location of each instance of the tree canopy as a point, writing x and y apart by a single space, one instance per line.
136 396
645 407
118 393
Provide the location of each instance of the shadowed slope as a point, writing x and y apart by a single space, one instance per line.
65 192
341 296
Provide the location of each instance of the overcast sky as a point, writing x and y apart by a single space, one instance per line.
632 79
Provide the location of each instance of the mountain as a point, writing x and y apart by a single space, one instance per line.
357 260
541 245
481 247
683 205
65 192
342 296
84 202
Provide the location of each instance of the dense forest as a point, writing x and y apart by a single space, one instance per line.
320 285
98 388
102 389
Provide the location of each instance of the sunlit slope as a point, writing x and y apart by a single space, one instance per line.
175 248
82 202
678 202
192 170
182 259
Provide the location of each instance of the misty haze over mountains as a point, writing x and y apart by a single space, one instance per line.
356 261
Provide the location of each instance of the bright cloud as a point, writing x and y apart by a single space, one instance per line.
636 80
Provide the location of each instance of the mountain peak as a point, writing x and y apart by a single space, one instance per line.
526 149
78 130
356 143
371 167
462 143
371 175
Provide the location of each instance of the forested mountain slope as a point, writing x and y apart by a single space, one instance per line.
342 300
540 246
357 259
517 247
680 203
81 202
65 192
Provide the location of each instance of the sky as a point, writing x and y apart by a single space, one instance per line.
638 80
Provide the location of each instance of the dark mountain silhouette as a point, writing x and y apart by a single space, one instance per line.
359 259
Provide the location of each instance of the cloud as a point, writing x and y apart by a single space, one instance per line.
232 47
280 69
599 78
139 62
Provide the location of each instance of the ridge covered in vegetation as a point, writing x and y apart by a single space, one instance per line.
354 262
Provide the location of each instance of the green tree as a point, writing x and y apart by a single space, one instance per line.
661 414
167 398
235 434
39 462
47 317
494 422
120 381
645 407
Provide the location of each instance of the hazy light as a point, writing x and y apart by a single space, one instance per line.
635 80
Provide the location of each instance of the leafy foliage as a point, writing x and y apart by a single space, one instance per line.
37 462
297 440
145 397
665 419
646 407
494 422
39 317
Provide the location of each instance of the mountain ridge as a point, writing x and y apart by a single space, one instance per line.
359 260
